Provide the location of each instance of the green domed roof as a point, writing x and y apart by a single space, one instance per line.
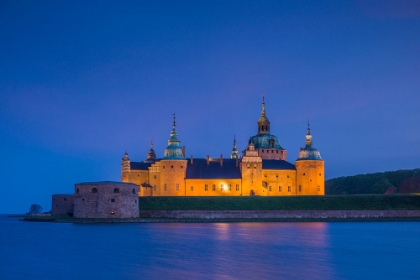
265 141
174 150
309 152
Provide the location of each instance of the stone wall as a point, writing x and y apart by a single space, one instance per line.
106 200
62 204
272 214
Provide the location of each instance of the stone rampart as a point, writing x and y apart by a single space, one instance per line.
106 200
273 214
62 204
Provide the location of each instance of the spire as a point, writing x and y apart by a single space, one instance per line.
308 135
234 153
263 122
151 155
174 150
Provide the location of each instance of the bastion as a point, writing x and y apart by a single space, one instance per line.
106 200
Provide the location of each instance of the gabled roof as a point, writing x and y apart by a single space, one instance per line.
200 170
277 164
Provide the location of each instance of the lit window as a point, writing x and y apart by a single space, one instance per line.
221 187
237 187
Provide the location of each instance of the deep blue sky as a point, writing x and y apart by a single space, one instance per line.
83 81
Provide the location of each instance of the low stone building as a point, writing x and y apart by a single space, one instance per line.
98 200
62 204
106 200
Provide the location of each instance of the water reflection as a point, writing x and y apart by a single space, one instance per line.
210 251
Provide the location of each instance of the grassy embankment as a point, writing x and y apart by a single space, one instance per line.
329 202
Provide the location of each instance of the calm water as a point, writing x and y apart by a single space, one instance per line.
363 250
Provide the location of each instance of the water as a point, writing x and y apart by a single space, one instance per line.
353 250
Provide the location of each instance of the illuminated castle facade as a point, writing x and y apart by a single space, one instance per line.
261 170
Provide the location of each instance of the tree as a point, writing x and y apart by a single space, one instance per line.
35 209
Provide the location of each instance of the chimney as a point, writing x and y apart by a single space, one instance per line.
208 159
221 160
192 159
183 151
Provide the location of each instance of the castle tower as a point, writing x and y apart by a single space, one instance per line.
234 153
173 168
251 170
151 155
125 168
266 144
309 169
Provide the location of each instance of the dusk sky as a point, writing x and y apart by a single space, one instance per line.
81 82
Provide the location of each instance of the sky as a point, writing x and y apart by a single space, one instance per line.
81 82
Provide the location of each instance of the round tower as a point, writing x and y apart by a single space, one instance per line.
309 169
173 168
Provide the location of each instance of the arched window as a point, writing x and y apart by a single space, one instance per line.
94 190
116 190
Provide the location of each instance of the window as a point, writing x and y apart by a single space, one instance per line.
318 188
319 174
65 199
303 174
279 188
94 190
112 200
163 167
277 176
192 188
164 187
214 187
300 188
263 151
237 187
221 187
230 187
269 188
154 188
182 166
133 191
172 166
206 187
177 187
154 176
116 190
287 176
255 165
289 188
77 190
135 201
248 165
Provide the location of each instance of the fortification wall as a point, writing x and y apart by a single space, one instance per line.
106 200
272 214
62 204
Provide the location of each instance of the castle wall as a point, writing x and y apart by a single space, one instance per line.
213 187
279 182
106 200
310 177
62 204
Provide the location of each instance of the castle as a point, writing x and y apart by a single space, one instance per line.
261 170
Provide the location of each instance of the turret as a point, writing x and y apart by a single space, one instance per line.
263 122
234 153
151 155
309 169
125 168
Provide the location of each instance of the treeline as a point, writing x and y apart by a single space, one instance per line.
374 183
